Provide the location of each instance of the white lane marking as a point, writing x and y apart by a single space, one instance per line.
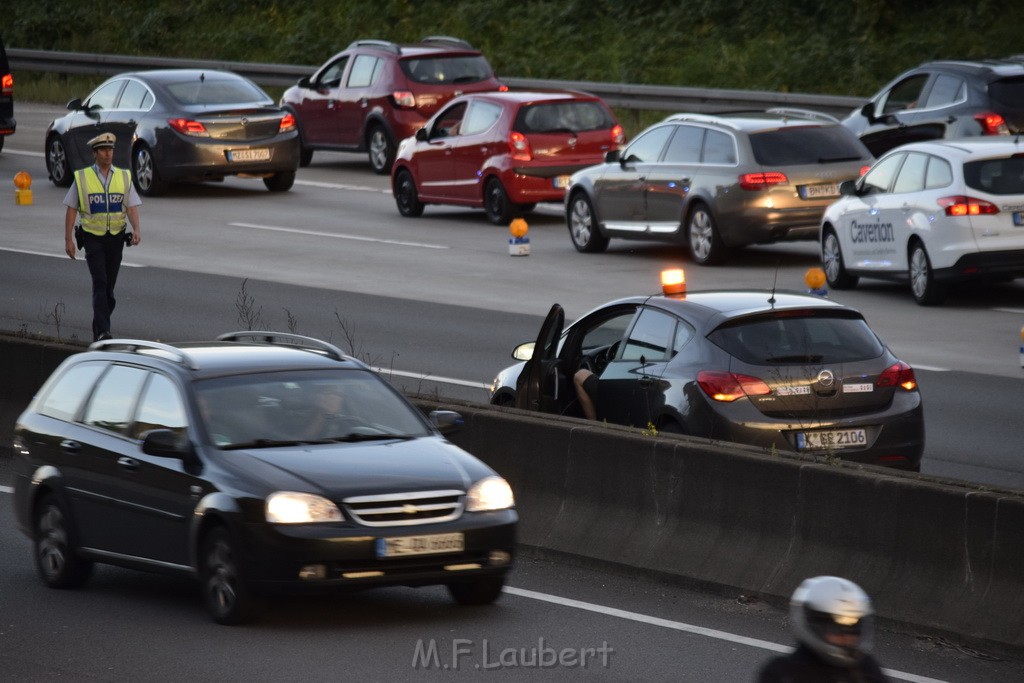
25 153
433 378
41 253
928 367
6 489
358 238
1015 311
341 186
680 626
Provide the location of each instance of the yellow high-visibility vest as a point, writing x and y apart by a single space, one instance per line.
103 208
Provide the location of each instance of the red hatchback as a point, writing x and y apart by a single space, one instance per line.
503 151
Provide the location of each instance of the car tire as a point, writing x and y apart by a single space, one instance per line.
57 562
834 266
499 208
583 229
305 156
380 150
706 246
225 592
147 179
481 591
926 291
504 400
2 138
280 182
57 162
670 426
406 197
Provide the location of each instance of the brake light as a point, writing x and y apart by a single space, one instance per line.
519 146
864 169
618 135
503 88
7 85
729 386
761 181
188 127
287 123
960 205
404 99
899 375
992 124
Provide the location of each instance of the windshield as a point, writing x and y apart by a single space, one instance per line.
798 145
287 408
563 116
217 91
437 70
783 340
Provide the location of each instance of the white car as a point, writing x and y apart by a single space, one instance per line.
931 213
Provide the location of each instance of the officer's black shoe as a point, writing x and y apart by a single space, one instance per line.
103 335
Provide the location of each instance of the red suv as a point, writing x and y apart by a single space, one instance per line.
376 93
504 151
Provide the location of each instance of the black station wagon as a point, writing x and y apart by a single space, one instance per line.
276 464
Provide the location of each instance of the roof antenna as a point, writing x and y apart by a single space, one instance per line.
771 299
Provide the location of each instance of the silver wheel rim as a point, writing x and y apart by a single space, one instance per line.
58 160
144 169
378 148
581 223
53 541
221 581
831 256
700 235
918 272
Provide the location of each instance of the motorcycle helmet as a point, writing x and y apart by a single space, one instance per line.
833 617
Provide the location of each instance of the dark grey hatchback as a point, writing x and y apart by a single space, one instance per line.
272 465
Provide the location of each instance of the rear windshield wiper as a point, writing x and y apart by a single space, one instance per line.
795 359
827 160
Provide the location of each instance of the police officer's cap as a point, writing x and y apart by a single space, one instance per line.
102 140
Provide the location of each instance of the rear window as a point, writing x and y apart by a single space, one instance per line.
217 91
796 340
807 145
996 176
439 70
1008 92
563 116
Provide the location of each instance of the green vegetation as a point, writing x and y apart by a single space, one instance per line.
847 48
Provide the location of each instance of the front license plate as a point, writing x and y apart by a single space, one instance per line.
835 438
401 546
1018 218
819 191
560 182
249 155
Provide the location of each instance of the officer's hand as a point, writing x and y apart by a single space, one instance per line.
69 247
136 237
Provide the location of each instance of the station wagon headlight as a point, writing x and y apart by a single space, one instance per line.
291 507
490 493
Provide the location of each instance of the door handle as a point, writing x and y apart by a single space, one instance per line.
70 446
128 463
364 103
330 104
646 383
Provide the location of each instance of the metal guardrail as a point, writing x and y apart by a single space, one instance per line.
620 95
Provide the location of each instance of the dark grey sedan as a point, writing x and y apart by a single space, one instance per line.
178 125
779 370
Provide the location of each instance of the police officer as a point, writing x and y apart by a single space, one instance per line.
832 621
107 201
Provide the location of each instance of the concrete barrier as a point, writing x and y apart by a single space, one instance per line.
936 555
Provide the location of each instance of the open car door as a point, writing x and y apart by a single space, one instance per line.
538 385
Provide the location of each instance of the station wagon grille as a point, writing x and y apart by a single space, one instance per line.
404 509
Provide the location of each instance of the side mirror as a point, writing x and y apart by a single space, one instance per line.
167 443
524 351
611 156
422 135
868 112
304 82
848 188
447 421
75 104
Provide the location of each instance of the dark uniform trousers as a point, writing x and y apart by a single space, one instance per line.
103 254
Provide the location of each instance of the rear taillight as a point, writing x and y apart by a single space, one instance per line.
729 386
960 205
404 99
864 169
519 147
761 181
618 135
7 85
899 375
503 88
287 123
992 124
189 127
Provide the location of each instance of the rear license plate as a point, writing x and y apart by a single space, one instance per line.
249 155
819 191
560 182
1018 218
401 546
834 438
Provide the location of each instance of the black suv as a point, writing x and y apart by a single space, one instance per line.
7 122
376 93
259 462
946 99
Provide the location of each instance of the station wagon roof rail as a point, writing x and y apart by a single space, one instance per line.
286 339
140 345
448 40
382 44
